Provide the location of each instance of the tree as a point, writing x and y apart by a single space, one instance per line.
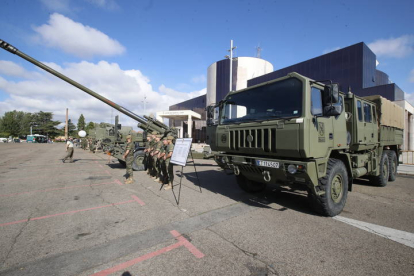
81 122
91 125
43 124
15 123
71 128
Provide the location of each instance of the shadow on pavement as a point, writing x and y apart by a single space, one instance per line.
220 183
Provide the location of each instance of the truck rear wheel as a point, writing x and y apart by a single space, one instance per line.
382 179
248 185
335 186
138 164
392 157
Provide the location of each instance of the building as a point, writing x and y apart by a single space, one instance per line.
218 85
353 67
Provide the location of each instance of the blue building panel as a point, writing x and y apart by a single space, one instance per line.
353 66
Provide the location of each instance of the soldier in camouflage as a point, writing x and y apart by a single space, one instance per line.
169 166
129 159
161 162
157 148
146 151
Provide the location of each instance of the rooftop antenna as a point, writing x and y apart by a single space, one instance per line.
231 63
259 51
145 104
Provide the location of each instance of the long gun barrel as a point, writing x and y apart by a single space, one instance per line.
149 124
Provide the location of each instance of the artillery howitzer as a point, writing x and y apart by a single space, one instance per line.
146 123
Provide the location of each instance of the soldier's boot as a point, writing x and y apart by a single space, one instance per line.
129 181
168 186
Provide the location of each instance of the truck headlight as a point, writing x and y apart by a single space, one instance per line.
292 169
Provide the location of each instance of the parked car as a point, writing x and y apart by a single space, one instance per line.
3 140
16 140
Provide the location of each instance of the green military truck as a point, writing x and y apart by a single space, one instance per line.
305 134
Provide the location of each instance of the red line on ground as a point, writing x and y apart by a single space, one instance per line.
138 200
69 212
107 172
57 189
197 253
118 182
72 174
181 242
137 260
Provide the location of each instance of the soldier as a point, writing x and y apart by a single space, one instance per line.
157 148
150 157
129 158
169 166
69 150
146 151
161 162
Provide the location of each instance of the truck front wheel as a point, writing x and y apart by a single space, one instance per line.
384 171
335 186
248 185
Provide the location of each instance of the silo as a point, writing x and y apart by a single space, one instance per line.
244 68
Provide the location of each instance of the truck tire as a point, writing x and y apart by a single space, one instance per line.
138 164
249 185
122 162
382 179
392 158
335 186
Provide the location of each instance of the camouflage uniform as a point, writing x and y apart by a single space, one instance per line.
155 163
129 160
161 163
169 166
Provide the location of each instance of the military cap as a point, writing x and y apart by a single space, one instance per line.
160 135
154 133
129 137
169 137
165 138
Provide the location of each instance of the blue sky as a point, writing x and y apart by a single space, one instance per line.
166 46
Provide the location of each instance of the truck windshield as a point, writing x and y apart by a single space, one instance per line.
281 99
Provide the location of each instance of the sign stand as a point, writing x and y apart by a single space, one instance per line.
180 155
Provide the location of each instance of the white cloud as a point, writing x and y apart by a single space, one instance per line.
57 6
50 94
331 50
409 97
14 70
411 77
394 47
199 79
75 38
106 4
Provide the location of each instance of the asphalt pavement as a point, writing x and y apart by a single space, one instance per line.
80 219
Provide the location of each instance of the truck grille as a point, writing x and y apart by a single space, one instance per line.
264 139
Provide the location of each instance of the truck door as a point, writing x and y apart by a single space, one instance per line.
360 134
321 130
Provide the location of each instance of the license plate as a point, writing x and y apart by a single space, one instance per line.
269 164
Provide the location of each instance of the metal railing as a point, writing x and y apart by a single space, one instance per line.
407 157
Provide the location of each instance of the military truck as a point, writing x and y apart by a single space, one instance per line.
147 124
305 134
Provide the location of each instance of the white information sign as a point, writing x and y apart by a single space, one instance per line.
181 150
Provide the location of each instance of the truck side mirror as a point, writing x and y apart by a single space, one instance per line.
331 94
210 114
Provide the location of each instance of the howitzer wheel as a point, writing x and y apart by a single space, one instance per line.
138 164
335 187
